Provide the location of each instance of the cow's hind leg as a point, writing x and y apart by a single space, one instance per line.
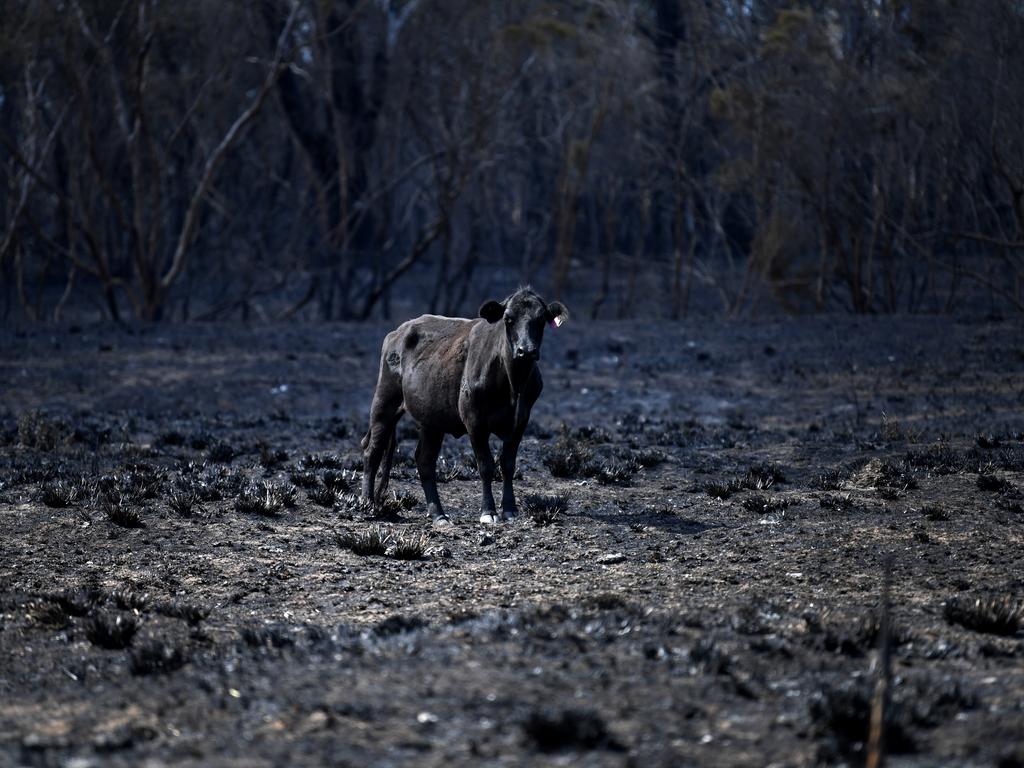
385 412
426 462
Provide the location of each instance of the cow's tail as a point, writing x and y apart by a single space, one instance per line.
385 470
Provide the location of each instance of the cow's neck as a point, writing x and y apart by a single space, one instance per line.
518 375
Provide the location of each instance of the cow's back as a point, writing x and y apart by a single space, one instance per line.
429 354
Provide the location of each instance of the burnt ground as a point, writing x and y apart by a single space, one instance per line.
179 586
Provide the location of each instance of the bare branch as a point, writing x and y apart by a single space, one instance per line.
220 152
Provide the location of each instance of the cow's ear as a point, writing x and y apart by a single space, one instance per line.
492 311
557 313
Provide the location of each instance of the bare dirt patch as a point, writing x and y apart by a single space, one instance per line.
185 576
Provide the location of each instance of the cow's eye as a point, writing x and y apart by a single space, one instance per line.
508 321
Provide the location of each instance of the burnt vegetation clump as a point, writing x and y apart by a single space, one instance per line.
830 479
380 541
895 478
79 601
722 489
267 499
939 458
184 500
567 460
42 432
388 508
836 502
615 471
994 484
935 513
221 452
187 611
134 482
111 631
271 457
761 477
994 615
545 509
121 510
304 478
842 716
155 656
322 496
313 461
48 614
366 542
760 504
584 453
554 730
128 599
337 481
408 546
59 493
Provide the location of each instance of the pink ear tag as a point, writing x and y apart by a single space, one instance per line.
555 322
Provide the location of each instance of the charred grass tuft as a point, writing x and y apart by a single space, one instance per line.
408 546
552 730
121 511
59 493
42 432
382 541
111 631
994 484
545 509
994 615
156 656
304 478
366 542
830 479
760 504
221 452
184 500
574 455
842 715
313 461
837 502
267 499
190 612
895 477
722 489
761 477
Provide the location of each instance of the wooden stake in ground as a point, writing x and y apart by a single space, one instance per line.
882 694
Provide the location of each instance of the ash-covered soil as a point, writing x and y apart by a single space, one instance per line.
185 578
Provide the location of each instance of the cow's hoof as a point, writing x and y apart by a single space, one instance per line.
489 518
442 521
509 514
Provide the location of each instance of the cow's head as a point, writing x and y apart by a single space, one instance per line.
524 314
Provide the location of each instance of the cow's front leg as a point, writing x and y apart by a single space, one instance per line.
510 448
509 452
485 464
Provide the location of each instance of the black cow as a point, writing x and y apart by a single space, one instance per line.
456 376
